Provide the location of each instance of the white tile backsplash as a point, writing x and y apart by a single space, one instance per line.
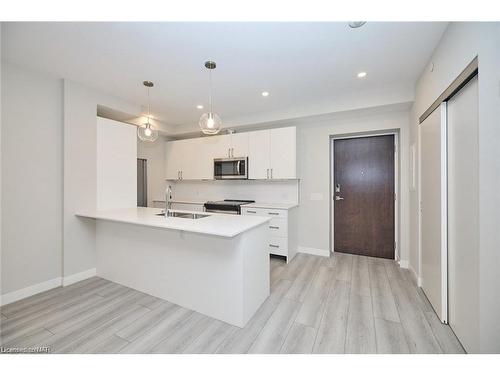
278 191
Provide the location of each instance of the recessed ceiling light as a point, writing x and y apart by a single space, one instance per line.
265 93
361 74
356 24
199 106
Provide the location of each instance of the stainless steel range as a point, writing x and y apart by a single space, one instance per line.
227 206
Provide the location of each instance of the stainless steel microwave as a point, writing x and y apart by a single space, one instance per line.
231 169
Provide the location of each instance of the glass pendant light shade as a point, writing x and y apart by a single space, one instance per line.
210 123
147 133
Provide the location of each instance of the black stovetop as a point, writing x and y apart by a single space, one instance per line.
230 205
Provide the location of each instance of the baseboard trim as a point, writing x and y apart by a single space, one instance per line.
29 291
313 251
416 278
76 277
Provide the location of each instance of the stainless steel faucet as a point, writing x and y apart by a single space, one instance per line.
168 200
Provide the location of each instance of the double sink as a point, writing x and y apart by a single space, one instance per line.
183 215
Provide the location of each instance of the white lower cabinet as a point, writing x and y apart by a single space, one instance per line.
282 229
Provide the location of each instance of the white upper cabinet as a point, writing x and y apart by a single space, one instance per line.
258 155
173 159
239 144
271 154
283 153
181 160
217 146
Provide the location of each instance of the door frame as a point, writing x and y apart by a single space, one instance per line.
397 182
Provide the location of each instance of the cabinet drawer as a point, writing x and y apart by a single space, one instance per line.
264 212
278 227
278 246
253 211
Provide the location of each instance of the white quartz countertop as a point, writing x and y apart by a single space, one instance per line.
276 206
215 224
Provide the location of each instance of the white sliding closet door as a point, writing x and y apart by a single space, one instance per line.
463 222
433 210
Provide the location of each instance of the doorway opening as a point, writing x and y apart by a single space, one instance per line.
364 192
142 183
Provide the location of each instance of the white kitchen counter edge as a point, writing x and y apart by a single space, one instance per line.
276 206
221 225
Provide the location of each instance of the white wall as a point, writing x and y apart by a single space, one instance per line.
116 164
461 42
154 153
80 171
31 178
315 171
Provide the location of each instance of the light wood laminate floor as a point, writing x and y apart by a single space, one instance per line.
342 304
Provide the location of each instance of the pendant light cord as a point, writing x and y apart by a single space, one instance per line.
210 90
149 108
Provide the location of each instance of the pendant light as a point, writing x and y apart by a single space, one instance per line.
210 122
147 132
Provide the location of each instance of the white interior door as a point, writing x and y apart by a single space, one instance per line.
463 221
433 191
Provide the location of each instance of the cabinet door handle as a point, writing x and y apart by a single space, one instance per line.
273 213
271 173
276 246
267 176
178 175
232 152
251 212
273 227
181 176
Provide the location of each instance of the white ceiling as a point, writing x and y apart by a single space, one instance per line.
302 65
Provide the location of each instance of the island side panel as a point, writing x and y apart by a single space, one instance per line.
196 271
256 275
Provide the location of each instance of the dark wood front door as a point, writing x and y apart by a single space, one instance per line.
364 196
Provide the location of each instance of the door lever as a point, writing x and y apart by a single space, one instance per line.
337 198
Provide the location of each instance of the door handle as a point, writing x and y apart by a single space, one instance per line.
337 198
267 172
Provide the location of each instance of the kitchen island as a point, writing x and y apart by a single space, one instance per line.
217 265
